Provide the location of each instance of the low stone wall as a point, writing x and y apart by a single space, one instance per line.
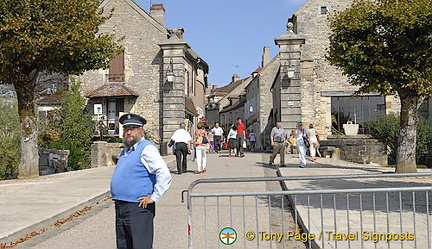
105 154
59 162
359 150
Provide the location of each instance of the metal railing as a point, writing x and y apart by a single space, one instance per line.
397 217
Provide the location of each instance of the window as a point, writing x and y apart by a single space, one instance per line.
356 109
323 10
187 85
116 70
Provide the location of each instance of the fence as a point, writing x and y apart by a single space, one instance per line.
397 217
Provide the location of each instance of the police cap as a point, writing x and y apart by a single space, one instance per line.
132 120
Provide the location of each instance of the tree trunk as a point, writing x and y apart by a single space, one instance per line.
406 151
29 164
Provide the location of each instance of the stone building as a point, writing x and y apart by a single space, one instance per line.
157 75
223 97
317 92
259 105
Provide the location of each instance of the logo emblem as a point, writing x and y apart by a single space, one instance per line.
129 116
228 236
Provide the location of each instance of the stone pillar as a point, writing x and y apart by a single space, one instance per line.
290 55
173 110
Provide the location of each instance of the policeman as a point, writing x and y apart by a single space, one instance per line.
140 179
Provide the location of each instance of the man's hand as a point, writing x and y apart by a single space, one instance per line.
145 200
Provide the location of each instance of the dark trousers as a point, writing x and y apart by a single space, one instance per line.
278 148
217 142
134 225
181 156
240 139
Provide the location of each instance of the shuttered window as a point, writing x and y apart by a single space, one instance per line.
116 70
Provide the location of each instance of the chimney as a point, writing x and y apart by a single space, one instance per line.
235 78
157 11
266 56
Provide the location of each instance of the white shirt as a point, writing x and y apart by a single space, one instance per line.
217 131
299 137
181 135
155 165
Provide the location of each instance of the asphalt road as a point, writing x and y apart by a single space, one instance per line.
96 228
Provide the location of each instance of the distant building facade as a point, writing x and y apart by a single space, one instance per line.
157 76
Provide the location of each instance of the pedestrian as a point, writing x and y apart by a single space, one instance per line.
232 139
211 141
218 133
247 139
140 179
252 137
240 137
317 148
201 141
311 133
278 139
293 142
183 146
300 141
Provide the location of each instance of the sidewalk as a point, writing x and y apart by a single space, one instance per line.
320 221
32 204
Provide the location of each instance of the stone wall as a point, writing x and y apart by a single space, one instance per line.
105 154
359 150
46 167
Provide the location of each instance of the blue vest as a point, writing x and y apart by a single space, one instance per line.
131 178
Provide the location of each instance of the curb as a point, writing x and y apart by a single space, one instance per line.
48 222
300 221
11 238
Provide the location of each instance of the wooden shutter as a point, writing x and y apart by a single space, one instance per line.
116 70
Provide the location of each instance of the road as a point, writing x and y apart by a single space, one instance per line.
96 229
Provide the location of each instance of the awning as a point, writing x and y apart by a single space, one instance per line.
190 107
111 90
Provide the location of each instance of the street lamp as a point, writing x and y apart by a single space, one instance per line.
290 72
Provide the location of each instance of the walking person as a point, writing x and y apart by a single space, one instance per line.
247 139
211 141
311 133
293 142
241 133
278 139
317 148
301 147
218 137
232 140
183 146
140 179
252 137
201 141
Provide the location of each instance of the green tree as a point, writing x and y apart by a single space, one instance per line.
386 128
48 36
76 128
9 137
386 46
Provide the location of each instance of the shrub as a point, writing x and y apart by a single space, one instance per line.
75 127
10 152
386 129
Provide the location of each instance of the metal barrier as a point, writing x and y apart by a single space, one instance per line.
396 217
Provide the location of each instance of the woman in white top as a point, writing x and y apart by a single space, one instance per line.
311 133
301 148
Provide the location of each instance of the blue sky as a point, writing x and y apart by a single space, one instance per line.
229 34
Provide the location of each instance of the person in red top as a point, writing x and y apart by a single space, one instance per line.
240 137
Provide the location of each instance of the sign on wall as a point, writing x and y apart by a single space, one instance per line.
97 109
